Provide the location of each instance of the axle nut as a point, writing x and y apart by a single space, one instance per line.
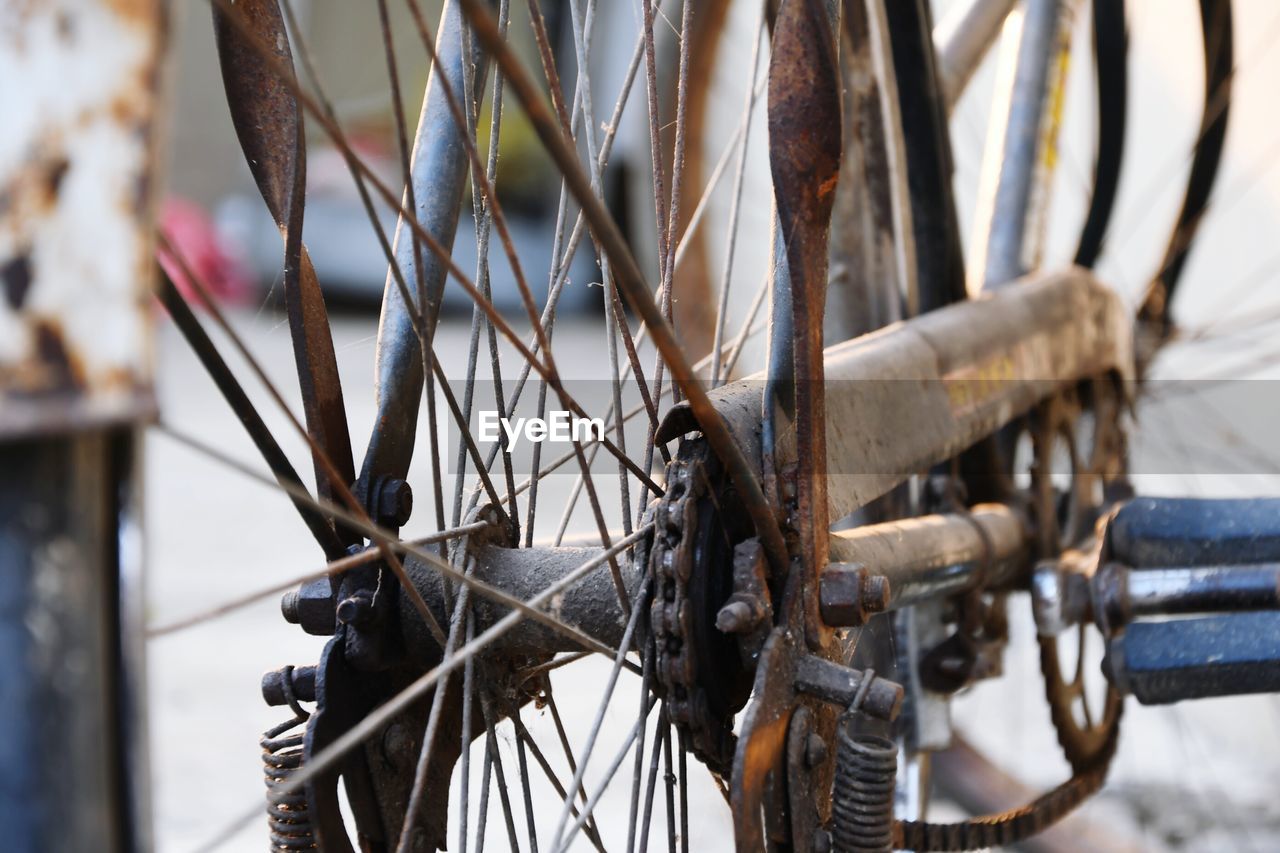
310 606
848 594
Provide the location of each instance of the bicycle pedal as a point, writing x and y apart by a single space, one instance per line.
1189 598
1159 532
1222 655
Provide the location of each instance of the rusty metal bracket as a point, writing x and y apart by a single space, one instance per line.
804 157
268 122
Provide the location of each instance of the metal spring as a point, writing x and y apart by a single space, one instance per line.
288 814
862 801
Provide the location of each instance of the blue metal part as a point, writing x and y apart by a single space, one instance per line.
1159 532
72 762
1163 662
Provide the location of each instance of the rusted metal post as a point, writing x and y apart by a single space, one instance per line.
79 88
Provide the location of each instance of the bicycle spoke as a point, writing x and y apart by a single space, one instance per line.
485 783
464 794
522 759
646 703
660 215
560 275
582 185
684 795
651 787
608 777
552 376
642 600
562 660
722 165
483 211
525 738
503 796
668 779
736 207
568 750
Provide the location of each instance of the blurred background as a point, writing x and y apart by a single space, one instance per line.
1199 776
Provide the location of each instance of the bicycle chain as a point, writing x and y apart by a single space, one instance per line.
672 562
1011 827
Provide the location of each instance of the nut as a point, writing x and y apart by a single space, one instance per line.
393 502
848 594
311 606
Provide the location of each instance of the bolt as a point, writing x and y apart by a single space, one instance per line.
394 502
815 750
737 616
302 683
289 607
355 609
874 593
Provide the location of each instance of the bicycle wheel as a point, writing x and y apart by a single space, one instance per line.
425 695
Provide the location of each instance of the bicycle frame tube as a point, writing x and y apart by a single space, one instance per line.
956 374
962 39
1018 163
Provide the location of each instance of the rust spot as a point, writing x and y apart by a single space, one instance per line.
61 368
16 277
57 171
128 108
143 11
828 186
